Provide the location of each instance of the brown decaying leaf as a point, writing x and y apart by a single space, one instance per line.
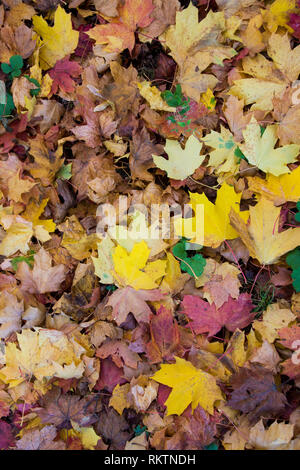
44 277
255 393
128 300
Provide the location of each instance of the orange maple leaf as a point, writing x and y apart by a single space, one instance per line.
119 34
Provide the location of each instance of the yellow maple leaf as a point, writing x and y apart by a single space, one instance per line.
286 59
41 354
59 40
174 279
252 37
274 318
119 399
266 82
134 270
189 386
182 162
261 236
46 163
269 78
278 189
76 240
183 40
138 230
183 37
153 95
18 232
260 152
18 186
16 239
88 437
238 351
41 228
208 100
216 221
36 72
277 14
223 156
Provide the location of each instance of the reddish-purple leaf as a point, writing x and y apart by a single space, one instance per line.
294 23
85 43
7 439
110 375
207 318
62 74
164 336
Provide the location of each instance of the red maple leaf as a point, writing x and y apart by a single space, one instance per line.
62 74
9 139
207 318
294 23
6 436
110 375
164 336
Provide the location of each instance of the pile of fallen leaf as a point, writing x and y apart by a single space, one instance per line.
125 341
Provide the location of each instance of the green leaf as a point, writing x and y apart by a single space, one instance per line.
293 260
297 216
179 249
6 68
29 259
35 91
173 99
6 109
193 265
65 172
239 154
15 73
212 446
138 430
14 67
296 279
111 287
16 61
